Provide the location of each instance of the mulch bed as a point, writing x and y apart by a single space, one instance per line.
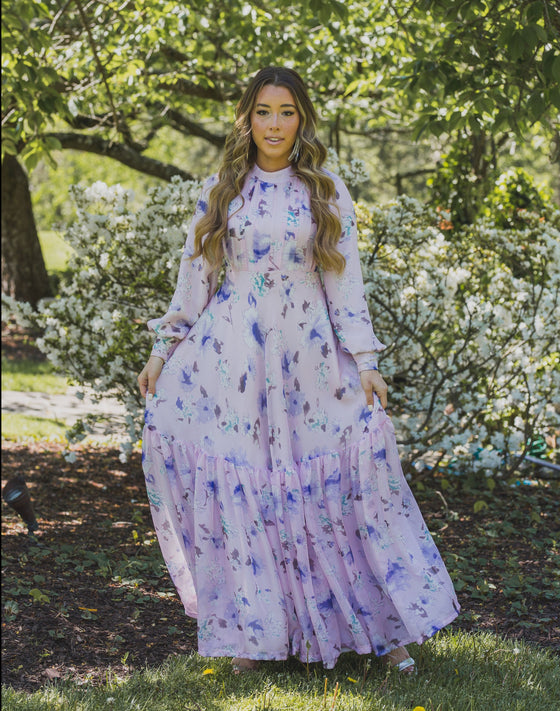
19 344
91 623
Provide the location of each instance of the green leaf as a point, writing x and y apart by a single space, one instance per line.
530 38
353 86
340 9
556 68
479 506
554 96
534 12
8 146
485 105
53 144
31 160
536 105
516 45
39 596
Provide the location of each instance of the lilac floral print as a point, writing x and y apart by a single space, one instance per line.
278 498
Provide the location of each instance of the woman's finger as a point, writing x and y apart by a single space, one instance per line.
382 395
153 371
151 385
142 383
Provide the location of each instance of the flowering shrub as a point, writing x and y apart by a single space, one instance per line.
470 317
514 193
124 269
472 321
353 173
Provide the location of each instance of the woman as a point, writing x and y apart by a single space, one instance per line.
271 466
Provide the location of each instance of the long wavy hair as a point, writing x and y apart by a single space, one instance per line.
307 158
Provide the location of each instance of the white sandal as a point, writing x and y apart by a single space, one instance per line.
407 666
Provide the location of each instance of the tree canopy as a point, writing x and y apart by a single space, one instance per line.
106 76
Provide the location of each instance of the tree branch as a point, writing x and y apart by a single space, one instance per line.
189 88
58 15
181 123
379 133
81 121
120 152
118 127
398 178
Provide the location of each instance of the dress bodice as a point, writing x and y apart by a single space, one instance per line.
270 225
271 229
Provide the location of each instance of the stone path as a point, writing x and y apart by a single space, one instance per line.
67 408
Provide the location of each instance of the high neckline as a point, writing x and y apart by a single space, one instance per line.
274 176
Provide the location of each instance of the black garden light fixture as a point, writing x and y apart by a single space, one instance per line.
16 495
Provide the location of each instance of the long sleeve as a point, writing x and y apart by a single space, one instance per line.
345 292
196 283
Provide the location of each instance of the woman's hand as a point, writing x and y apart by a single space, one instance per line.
149 375
372 382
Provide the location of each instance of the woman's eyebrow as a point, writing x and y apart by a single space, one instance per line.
281 105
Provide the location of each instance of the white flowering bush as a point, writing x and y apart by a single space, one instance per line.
471 318
353 173
124 269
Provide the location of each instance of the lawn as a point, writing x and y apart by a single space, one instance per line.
56 252
18 426
457 672
32 376
25 369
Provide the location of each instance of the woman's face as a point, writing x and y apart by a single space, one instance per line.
274 125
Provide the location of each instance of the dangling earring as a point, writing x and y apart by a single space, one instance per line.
294 155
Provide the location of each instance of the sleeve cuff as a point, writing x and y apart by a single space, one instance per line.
366 361
163 348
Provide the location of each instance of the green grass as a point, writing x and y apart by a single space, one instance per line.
32 376
16 426
56 252
457 672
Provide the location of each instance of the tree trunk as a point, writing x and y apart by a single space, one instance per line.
24 275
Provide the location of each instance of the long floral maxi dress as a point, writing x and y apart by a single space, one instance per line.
277 496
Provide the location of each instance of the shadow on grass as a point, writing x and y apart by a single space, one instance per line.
457 671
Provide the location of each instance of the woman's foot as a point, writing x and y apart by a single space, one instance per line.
241 666
401 660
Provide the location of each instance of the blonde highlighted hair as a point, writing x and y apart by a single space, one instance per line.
307 158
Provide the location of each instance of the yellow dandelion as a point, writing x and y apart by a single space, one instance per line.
208 671
354 681
418 708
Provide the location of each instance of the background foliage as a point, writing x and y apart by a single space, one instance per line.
108 77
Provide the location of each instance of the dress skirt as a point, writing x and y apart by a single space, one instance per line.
277 496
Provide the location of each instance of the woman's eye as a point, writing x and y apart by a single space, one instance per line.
262 112
288 113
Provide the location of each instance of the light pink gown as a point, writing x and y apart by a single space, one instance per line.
278 498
